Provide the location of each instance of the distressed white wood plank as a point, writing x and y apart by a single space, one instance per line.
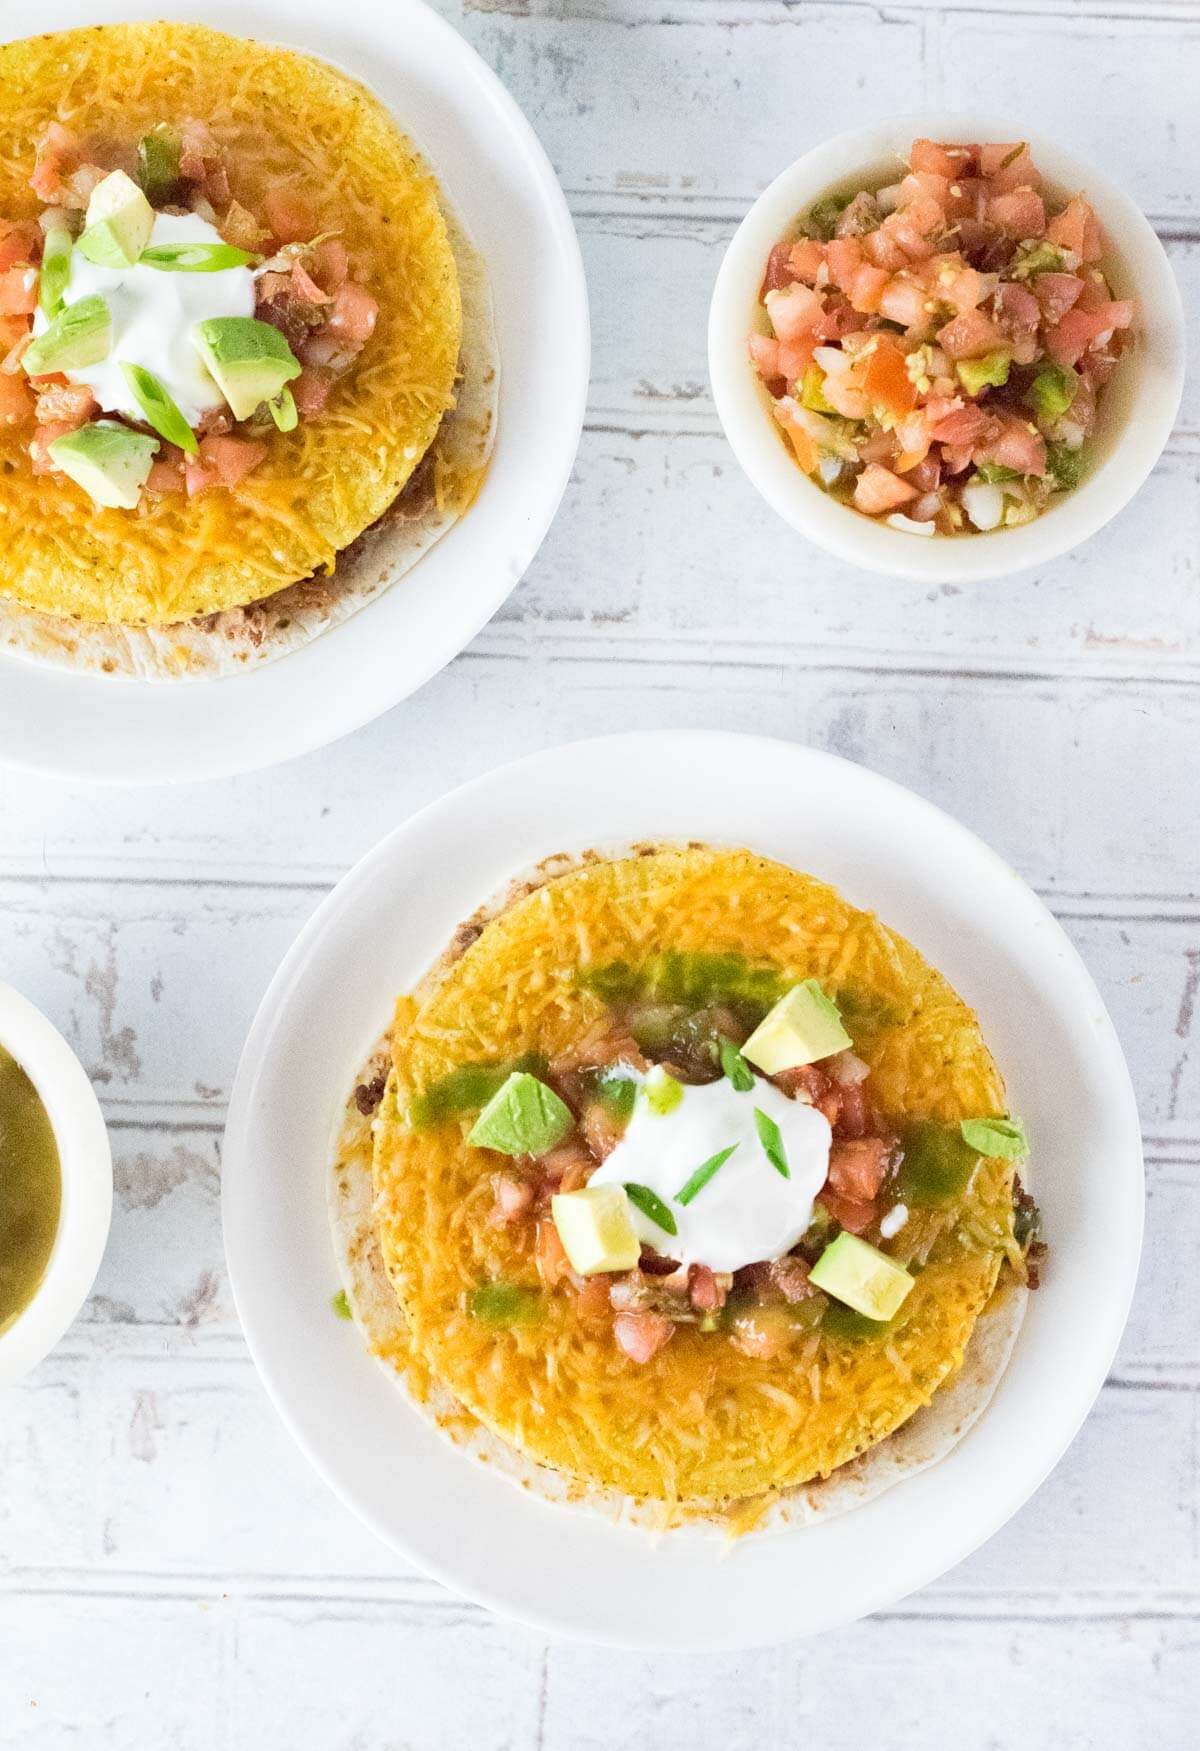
1087 787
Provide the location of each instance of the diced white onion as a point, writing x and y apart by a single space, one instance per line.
832 360
907 526
984 505
888 197
829 468
894 1221
848 1069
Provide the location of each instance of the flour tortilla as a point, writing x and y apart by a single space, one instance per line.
922 1441
242 639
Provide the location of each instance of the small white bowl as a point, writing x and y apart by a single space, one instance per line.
1137 408
85 1160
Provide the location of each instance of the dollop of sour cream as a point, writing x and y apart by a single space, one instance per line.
153 314
747 1211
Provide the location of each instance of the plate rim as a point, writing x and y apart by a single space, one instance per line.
270 1017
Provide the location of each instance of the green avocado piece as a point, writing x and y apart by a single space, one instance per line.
158 156
1052 392
118 224
938 1163
79 336
803 1027
523 1117
250 361
978 374
858 1274
107 460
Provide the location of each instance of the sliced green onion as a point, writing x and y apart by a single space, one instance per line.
283 410
195 258
56 269
735 1067
771 1138
158 409
652 1206
341 1305
998 1139
703 1174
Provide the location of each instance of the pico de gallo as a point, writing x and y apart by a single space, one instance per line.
151 310
935 349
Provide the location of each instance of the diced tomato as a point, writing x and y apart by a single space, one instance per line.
240 227
1019 214
197 478
1079 329
852 1213
290 214
764 350
165 477
846 397
1076 228
1056 294
886 380
970 336
592 1301
794 311
904 301
18 291
844 257
806 259
305 289
857 1168
70 404
878 489
704 1292
806 452
16 401
929 156
1010 443
866 288
956 425
355 313
779 270
328 264
18 243
641 1335
552 1261
1008 167
197 149
881 248
229 460
1017 310
852 1120
923 186
56 152
795 356
839 319
40 446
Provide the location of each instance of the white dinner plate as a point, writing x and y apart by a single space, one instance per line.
566 1568
499 180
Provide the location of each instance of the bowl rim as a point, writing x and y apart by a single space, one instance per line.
85 1163
319 1019
1154 369
490 162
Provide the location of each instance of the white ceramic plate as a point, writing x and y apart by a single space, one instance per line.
567 1569
1136 411
498 178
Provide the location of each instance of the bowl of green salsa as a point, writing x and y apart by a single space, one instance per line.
55 1185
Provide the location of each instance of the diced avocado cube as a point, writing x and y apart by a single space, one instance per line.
249 360
858 1274
596 1229
988 372
523 1117
107 460
79 336
661 1091
1035 258
803 1027
118 223
1066 465
1052 392
158 156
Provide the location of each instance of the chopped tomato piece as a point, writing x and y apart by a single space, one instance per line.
970 336
904 301
1076 228
764 350
230 460
886 380
844 257
853 1214
355 313
794 311
806 259
957 425
1008 166
165 477
57 152
878 489
328 264
1019 214
16 401
18 291
857 1167
641 1335
552 1261
1056 294
39 448
290 214
866 288
927 155
311 391
1079 329
1011 444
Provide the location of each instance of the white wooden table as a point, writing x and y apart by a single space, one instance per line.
171 1573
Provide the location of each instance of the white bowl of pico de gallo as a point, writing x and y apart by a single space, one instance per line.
946 348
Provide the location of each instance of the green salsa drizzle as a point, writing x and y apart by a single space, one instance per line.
937 1165
505 1304
467 1090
